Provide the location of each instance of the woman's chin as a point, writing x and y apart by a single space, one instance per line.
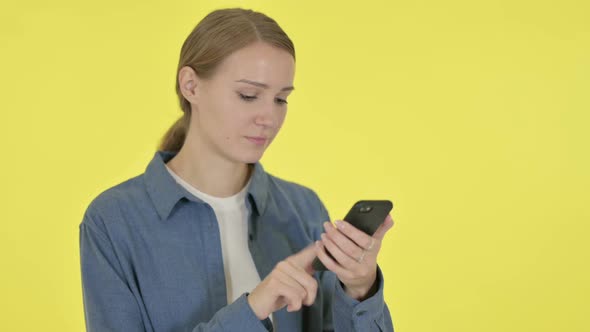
248 156
253 158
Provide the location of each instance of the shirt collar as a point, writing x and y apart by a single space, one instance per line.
165 192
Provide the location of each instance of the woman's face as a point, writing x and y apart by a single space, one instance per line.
239 111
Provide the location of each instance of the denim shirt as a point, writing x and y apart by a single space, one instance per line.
151 259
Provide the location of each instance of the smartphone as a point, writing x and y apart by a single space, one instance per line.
367 216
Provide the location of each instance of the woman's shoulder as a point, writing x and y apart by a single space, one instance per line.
297 195
294 201
278 185
108 203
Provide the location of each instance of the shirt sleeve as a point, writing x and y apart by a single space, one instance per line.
110 304
342 312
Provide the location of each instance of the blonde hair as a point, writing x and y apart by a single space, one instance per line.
215 37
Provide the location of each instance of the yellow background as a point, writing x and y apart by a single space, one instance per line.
471 116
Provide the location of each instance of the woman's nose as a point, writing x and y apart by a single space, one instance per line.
267 116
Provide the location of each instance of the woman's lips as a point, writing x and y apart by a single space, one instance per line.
257 140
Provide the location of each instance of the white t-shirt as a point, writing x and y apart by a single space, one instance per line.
232 215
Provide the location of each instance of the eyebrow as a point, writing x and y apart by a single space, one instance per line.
263 85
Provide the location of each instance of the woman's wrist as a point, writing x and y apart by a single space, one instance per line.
363 292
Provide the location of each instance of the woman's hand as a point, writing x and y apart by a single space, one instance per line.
289 284
355 255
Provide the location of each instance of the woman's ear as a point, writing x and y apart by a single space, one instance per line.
187 80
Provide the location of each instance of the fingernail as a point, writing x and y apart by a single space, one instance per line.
339 224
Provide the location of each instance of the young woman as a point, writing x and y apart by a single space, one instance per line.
205 239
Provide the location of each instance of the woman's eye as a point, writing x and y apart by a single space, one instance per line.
251 98
247 98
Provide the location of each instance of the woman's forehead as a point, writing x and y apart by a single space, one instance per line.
267 71
260 63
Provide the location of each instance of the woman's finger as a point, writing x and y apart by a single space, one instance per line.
304 258
302 279
363 240
383 228
329 263
342 258
347 245
291 295
285 277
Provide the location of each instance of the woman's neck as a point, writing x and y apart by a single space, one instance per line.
210 174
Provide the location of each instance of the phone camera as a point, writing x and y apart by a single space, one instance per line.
365 209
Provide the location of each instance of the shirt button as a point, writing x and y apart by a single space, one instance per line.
250 237
360 313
